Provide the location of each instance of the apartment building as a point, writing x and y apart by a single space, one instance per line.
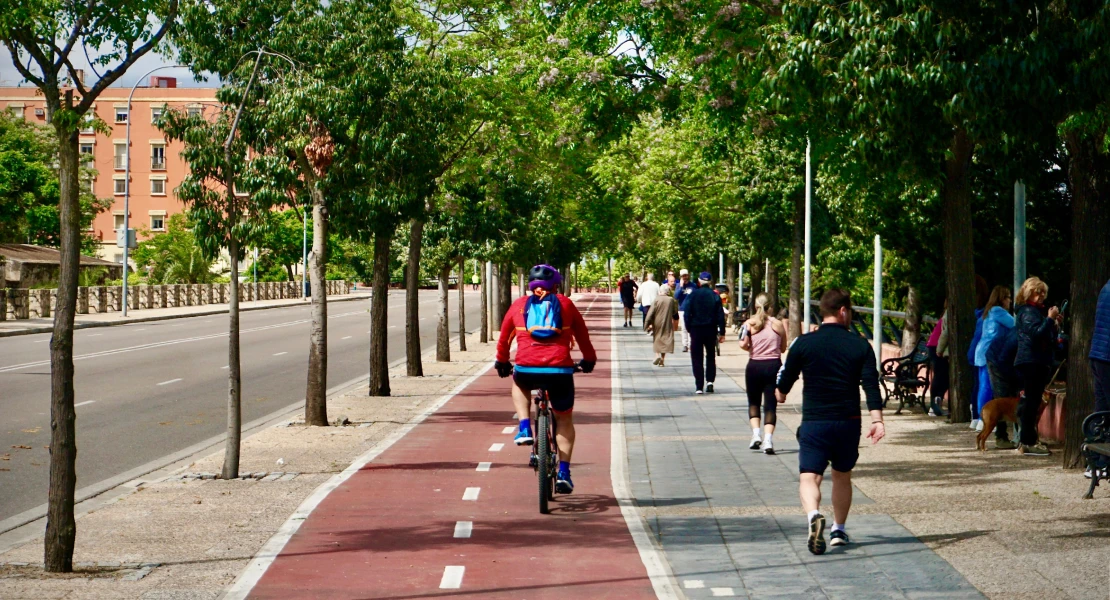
156 166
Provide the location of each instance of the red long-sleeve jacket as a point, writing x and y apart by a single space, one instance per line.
553 353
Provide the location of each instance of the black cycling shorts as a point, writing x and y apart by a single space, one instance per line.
559 386
824 442
628 302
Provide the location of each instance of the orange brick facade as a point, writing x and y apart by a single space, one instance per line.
156 167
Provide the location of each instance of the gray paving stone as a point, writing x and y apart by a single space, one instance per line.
690 452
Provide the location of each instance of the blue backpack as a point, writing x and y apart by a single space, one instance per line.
543 317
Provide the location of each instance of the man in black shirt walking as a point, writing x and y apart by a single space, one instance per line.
835 363
705 320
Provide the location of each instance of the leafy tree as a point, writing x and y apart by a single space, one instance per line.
175 256
42 37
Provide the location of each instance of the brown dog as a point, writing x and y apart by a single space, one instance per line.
1004 409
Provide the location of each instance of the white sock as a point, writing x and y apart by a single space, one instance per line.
756 432
838 527
812 513
767 439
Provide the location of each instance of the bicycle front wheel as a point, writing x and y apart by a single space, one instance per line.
543 457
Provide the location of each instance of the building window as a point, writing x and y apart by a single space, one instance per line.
156 113
121 155
121 114
194 111
158 157
158 187
88 150
158 222
17 111
87 128
119 186
90 184
117 221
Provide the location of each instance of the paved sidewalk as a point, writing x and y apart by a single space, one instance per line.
729 519
12 327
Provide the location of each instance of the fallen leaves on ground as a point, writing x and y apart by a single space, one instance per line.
21 447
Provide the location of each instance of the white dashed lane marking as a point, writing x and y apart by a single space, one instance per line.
508 430
693 584
452 578
170 381
483 467
463 529
280 353
496 447
84 403
471 493
725 592
347 337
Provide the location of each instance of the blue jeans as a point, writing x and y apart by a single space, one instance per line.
986 393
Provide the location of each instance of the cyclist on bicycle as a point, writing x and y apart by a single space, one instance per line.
545 324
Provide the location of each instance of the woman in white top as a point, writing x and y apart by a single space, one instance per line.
764 337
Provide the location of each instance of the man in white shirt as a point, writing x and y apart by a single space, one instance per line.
647 294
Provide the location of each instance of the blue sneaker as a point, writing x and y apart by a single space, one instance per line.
563 484
523 437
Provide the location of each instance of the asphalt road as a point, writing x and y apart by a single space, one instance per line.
148 390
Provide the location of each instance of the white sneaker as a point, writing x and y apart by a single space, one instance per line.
755 443
768 448
698 392
972 424
979 425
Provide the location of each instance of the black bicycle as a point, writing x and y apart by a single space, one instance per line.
545 450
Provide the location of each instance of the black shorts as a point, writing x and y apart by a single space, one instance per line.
824 442
559 386
628 302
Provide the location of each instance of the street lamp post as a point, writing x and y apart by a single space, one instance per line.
127 181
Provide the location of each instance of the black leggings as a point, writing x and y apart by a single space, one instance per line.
760 378
939 385
1034 378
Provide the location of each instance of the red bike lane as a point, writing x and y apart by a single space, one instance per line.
397 528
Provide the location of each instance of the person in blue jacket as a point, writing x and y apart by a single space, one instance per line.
982 295
682 291
1100 350
996 321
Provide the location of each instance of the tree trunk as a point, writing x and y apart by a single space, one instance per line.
414 367
483 336
757 282
316 395
505 298
797 310
730 281
959 271
234 376
289 272
61 526
773 288
495 300
1089 177
443 327
462 305
911 328
379 312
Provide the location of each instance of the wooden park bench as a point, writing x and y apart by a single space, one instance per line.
906 379
1096 448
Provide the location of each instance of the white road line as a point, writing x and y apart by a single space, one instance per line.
452 578
496 447
225 367
391 327
84 403
139 329
280 353
170 381
658 569
471 493
693 584
463 528
483 467
41 341
94 335
347 337
43 363
508 430
725 592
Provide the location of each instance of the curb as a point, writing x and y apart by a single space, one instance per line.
207 313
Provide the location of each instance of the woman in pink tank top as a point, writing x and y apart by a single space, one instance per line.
765 338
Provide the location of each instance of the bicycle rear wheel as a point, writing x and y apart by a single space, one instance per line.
543 457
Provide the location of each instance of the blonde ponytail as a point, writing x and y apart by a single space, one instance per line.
759 319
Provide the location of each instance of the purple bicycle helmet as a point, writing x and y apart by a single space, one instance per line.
545 276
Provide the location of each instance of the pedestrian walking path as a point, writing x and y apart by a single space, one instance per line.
728 518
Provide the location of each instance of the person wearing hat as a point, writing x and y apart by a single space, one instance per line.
682 291
705 323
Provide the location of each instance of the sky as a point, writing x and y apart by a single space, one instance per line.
10 77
